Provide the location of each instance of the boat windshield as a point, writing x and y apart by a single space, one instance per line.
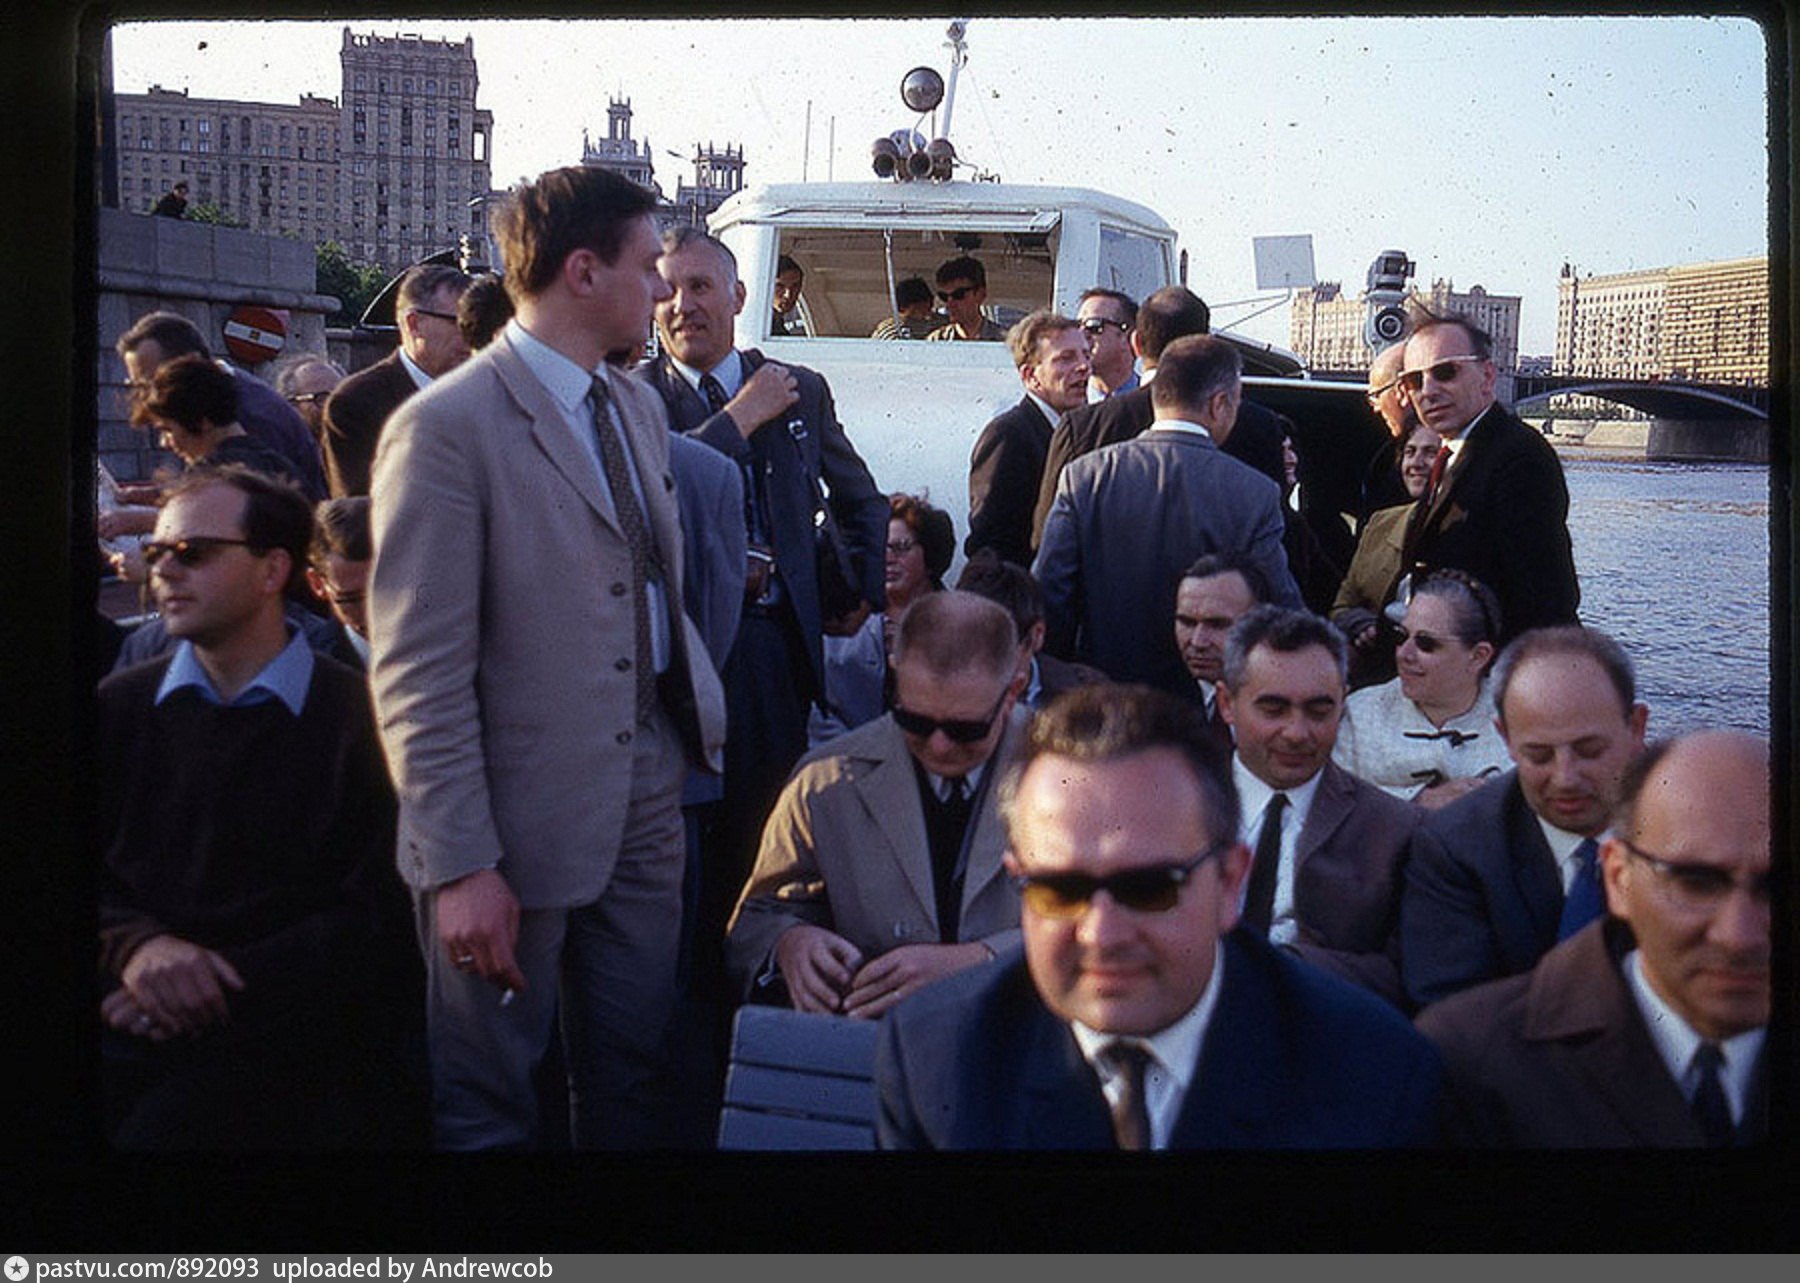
852 276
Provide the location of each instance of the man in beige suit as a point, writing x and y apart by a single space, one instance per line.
536 682
879 870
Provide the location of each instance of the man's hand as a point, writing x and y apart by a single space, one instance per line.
764 395
180 985
1364 636
848 625
120 1011
129 565
817 965
478 925
901 971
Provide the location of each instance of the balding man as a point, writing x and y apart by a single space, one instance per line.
431 345
880 868
1170 313
1497 506
1128 520
1648 1028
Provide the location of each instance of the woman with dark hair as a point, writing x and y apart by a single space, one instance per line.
1429 734
920 545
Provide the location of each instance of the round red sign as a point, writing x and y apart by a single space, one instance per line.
255 334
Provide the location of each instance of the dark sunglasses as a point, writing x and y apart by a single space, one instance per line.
1155 888
958 294
426 311
1097 326
1444 371
191 552
956 730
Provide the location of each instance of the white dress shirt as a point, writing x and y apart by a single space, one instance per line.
1174 1058
1253 799
1676 1042
1563 845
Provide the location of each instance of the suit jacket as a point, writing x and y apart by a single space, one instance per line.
711 495
1292 1059
1128 520
1347 879
1483 896
1501 514
1255 439
822 450
845 848
1058 675
1004 471
354 414
502 631
276 424
1559 1058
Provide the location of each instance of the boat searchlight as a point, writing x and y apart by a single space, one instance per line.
904 155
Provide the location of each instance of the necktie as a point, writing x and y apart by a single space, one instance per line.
637 537
1438 465
1585 901
1259 903
1130 1111
1711 1110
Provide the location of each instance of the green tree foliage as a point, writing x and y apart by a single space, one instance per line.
351 283
207 213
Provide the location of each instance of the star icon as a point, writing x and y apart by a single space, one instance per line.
17 1267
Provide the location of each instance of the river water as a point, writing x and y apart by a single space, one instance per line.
1673 561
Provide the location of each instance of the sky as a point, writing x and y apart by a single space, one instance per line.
1490 150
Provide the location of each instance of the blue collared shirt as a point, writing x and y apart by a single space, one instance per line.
287 677
571 388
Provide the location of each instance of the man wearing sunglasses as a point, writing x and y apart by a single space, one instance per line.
962 289
1649 1027
251 925
1108 318
1051 353
879 870
1138 1016
431 345
1497 505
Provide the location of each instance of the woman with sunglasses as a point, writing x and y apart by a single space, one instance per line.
1429 734
858 688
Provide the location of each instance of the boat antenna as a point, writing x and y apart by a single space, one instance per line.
959 54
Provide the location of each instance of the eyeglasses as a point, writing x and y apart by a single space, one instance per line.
958 294
1154 888
194 551
1097 325
958 731
345 598
1425 642
1698 888
307 398
426 311
1444 371
900 547
1374 395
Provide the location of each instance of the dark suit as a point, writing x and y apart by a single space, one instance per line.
777 663
354 414
1128 520
1559 1058
1348 863
1291 1060
1004 471
1058 675
1483 895
1501 514
276 424
1255 439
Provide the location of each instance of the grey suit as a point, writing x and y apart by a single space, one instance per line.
1127 520
846 849
503 643
1348 864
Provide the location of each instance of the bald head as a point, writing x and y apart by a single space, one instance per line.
1384 391
1687 868
949 632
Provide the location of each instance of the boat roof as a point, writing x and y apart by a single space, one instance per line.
860 204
